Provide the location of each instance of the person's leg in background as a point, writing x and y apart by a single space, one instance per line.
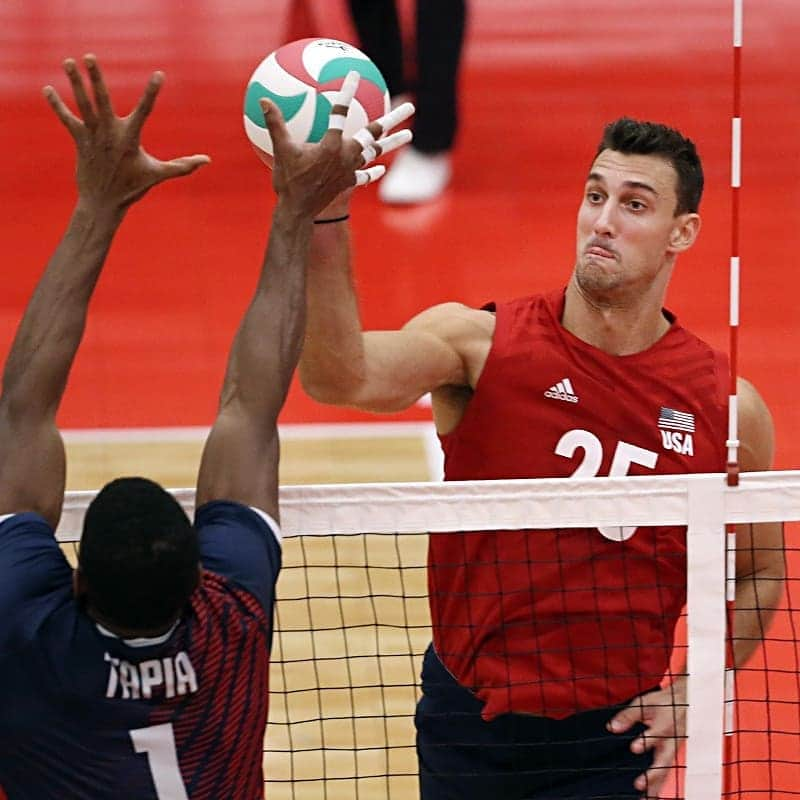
422 171
378 28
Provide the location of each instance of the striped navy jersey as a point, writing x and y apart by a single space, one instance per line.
85 714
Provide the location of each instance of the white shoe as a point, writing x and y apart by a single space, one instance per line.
415 177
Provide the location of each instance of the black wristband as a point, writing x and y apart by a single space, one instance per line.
329 221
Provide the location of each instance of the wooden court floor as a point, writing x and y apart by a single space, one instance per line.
336 453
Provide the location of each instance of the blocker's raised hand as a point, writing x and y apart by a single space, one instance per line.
310 176
113 168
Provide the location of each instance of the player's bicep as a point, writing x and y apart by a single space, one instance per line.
401 366
756 429
443 346
32 465
240 461
759 546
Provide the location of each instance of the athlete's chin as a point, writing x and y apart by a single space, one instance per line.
593 279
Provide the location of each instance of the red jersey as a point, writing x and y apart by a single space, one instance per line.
559 621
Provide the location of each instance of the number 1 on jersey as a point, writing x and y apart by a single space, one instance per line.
158 742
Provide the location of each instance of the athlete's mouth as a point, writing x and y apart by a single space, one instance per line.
596 249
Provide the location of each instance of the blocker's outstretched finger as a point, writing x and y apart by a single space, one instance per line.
79 91
276 125
184 165
341 103
70 121
102 98
146 102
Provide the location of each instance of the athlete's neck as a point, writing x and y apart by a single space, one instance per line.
129 633
617 327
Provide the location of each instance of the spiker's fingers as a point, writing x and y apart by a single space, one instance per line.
369 149
391 120
365 176
395 140
341 103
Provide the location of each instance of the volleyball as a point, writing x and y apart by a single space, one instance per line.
302 78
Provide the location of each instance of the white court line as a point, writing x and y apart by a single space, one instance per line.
311 430
434 456
124 435
291 432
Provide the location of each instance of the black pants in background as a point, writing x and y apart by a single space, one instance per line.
440 36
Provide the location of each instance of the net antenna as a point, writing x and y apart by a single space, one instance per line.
733 421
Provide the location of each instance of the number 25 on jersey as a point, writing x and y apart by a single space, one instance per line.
625 454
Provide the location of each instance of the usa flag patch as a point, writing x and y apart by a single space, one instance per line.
671 420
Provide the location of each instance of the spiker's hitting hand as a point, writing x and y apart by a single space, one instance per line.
113 168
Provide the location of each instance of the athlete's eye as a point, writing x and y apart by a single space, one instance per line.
636 205
594 197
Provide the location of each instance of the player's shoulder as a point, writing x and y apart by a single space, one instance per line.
242 545
454 321
237 515
26 540
756 428
35 585
24 520
749 397
235 523
688 340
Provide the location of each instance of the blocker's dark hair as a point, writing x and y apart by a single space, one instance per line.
138 555
633 137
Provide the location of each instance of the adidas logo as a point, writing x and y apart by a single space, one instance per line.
562 391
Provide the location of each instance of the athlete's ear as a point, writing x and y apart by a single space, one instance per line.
684 232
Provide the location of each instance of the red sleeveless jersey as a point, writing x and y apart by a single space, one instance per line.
559 621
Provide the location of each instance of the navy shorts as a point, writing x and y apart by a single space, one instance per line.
517 756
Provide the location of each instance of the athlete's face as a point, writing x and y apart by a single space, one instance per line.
628 232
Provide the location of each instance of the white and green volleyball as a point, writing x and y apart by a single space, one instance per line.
302 78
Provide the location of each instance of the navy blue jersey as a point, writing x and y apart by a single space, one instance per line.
85 714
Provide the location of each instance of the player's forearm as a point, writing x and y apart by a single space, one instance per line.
268 343
756 599
332 362
51 330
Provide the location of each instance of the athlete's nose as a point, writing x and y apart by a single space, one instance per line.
604 221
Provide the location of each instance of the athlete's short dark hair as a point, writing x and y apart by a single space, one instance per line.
633 137
138 554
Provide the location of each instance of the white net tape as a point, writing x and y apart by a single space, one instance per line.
502 505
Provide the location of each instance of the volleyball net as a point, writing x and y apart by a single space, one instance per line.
531 575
